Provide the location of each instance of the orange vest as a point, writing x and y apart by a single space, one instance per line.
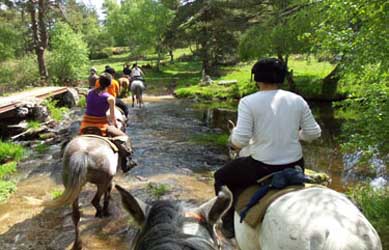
112 89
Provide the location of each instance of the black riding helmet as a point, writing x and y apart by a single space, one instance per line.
269 70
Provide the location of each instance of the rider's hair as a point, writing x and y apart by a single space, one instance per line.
110 71
269 70
105 80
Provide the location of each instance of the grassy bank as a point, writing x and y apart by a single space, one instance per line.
375 206
10 154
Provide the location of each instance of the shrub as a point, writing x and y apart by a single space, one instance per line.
7 168
55 112
19 73
374 204
6 188
10 152
69 55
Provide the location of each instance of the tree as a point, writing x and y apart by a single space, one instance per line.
69 54
38 11
282 30
138 24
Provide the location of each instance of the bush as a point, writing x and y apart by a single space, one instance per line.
19 73
69 56
56 112
10 152
374 204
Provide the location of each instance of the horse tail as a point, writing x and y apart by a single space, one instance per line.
138 92
75 170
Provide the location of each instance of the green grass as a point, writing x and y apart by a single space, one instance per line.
6 189
57 113
41 148
10 152
82 102
33 124
308 73
157 190
7 168
215 139
374 205
56 193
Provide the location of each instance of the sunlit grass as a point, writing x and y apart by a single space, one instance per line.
7 168
10 152
6 189
158 190
214 139
57 113
33 124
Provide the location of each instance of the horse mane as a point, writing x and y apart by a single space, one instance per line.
163 230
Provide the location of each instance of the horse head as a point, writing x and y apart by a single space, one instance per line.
174 224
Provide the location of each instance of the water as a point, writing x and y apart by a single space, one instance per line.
161 134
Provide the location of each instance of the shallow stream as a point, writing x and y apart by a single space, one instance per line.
162 135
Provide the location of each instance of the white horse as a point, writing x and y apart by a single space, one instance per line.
137 88
308 219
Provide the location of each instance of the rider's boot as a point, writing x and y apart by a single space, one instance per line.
125 152
227 227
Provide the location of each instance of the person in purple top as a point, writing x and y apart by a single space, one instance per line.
98 102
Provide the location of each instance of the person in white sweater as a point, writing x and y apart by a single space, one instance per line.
272 121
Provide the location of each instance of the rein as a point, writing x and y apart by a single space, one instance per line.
200 219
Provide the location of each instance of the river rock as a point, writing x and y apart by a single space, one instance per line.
219 117
69 99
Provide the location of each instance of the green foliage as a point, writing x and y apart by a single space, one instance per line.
6 188
10 152
138 24
82 101
33 124
19 73
12 32
369 131
41 148
157 190
7 169
374 205
56 112
56 193
69 55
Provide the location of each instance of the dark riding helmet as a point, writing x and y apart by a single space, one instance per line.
105 80
269 70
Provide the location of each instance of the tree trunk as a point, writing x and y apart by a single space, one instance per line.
159 59
40 37
330 84
171 56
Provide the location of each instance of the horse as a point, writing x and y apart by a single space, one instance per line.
137 87
314 218
89 159
174 224
124 83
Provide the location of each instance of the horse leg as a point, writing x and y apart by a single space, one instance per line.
132 99
76 219
107 197
96 201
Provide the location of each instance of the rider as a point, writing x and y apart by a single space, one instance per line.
136 73
92 78
272 121
98 102
127 70
113 89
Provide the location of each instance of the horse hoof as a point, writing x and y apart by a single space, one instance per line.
77 245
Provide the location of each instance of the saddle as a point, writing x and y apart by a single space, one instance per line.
253 214
106 139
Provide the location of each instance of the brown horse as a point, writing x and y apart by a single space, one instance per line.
87 159
124 83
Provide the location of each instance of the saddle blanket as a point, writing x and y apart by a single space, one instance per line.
257 212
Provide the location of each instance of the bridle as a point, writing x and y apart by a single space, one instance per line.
200 219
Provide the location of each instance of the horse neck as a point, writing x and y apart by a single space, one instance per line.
164 227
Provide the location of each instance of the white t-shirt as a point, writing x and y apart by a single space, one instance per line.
272 122
136 72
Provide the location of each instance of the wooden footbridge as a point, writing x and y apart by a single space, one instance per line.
11 102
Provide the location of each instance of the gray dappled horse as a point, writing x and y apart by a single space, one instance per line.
176 225
137 87
307 219
89 159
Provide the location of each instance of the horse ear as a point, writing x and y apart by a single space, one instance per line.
214 209
137 208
